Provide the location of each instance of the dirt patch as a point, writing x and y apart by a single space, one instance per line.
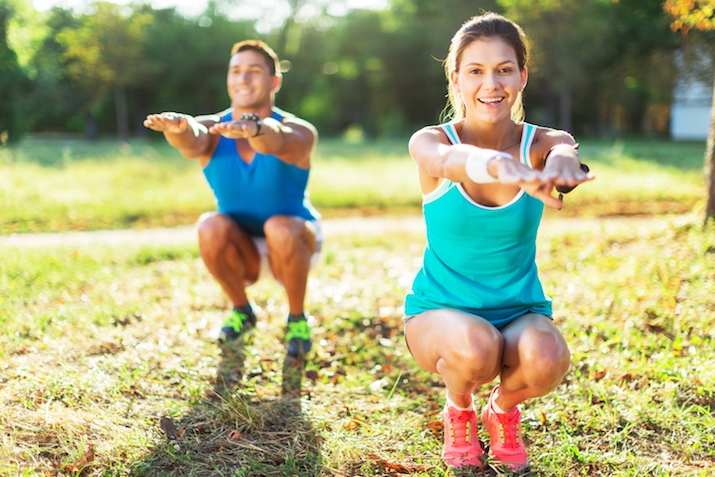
336 226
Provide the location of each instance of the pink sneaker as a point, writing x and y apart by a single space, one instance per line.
461 446
507 446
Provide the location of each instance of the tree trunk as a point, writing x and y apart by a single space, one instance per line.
91 127
120 103
710 164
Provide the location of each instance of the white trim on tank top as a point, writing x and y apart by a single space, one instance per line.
527 138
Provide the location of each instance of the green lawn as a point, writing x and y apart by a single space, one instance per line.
100 343
56 185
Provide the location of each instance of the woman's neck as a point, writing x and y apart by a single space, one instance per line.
499 137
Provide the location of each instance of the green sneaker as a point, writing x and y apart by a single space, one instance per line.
237 324
298 336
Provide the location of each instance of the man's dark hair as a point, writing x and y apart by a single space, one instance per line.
259 47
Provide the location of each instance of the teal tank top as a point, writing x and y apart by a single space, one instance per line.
479 259
252 193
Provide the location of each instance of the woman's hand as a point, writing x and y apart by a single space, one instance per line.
541 184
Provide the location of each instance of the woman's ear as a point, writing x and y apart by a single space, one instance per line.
524 78
454 77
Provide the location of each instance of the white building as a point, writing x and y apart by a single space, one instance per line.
692 102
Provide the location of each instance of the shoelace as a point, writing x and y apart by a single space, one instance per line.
460 427
509 428
298 329
236 320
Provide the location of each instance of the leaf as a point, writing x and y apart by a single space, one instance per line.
80 466
169 428
352 425
398 467
235 435
599 375
437 428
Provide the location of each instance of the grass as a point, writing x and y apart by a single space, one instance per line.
100 343
57 185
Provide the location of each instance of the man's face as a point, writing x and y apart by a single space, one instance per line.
249 80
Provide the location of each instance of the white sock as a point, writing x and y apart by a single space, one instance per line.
451 403
496 407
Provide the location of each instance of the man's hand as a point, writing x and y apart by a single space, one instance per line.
173 123
238 129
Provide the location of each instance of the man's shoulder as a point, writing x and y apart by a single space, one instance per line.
281 114
291 119
211 119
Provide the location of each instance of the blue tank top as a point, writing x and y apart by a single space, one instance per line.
479 259
252 193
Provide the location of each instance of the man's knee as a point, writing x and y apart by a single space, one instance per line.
284 233
214 231
279 227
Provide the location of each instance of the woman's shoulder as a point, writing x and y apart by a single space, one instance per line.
547 134
545 138
439 130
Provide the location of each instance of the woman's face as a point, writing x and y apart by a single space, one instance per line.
488 80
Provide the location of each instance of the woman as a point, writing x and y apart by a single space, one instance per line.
477 309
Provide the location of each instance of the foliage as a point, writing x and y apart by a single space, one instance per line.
12 82
54 103
697 14
374 72
102 341
106 54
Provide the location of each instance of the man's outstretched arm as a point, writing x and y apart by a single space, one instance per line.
186 133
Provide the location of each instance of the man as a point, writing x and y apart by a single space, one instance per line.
256 158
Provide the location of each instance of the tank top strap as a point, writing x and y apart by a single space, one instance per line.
451 132
527 138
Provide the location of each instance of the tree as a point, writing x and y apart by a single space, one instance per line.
698 15
106 54
11 82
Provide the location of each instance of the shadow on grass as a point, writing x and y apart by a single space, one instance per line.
235 432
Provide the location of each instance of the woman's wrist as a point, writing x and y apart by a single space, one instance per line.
477 165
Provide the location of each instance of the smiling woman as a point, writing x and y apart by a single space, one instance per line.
477 309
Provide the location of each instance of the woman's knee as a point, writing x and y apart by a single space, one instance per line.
547 356
477 353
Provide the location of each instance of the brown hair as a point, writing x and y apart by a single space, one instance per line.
488 25
259 47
